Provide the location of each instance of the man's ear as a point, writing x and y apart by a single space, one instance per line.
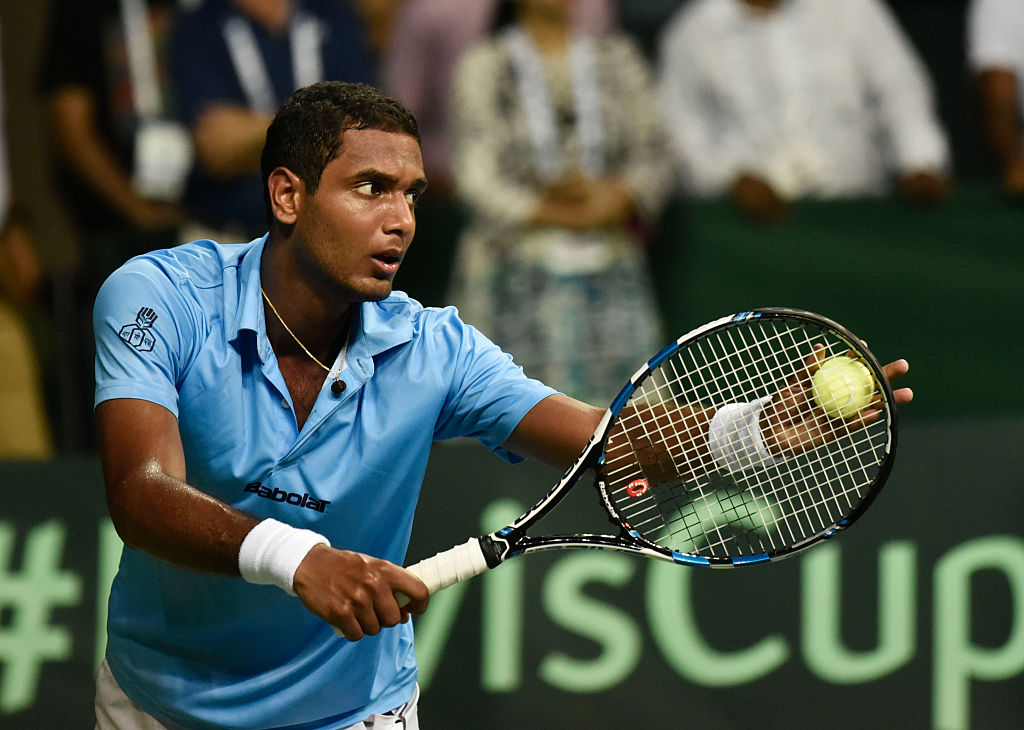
287 192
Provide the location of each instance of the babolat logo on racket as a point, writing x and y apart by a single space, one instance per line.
137 334
637 488
292 498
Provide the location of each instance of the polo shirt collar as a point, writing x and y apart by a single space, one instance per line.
382 325
249 311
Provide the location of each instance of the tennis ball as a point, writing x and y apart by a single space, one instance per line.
842 387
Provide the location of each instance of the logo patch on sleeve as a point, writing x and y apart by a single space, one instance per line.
137 333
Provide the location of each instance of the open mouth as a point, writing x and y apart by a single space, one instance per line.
387 262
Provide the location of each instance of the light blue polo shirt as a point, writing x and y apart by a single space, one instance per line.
184 328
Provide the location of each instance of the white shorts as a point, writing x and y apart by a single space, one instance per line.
116 711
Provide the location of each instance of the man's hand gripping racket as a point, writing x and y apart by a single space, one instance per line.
716 453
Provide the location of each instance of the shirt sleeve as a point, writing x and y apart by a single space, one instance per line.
902 88
995 34
74 52
709 148
141 324
489 394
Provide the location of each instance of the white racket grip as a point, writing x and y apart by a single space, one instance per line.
460 563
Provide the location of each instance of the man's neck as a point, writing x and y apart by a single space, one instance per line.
313 318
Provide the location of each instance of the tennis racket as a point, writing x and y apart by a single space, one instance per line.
715 454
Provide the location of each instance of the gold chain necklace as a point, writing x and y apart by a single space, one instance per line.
338 386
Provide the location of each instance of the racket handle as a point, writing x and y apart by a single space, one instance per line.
445 569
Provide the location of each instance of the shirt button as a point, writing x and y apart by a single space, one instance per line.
284 403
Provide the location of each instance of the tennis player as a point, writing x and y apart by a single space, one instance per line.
265 413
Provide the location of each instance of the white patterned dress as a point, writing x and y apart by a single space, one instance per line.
577 311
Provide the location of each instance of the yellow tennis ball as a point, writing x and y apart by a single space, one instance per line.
842 387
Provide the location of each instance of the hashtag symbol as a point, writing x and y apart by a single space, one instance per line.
27 598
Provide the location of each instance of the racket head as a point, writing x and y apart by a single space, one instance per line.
715 513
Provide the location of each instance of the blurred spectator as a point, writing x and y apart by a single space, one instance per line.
122 162
995 50
233 62
380 20
24 425
771 100
558 153
428 38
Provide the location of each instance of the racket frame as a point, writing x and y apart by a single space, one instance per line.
512 540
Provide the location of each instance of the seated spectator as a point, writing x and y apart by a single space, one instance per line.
558 153
769 101
995 53
233 62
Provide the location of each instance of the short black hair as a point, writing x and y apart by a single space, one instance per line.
307 131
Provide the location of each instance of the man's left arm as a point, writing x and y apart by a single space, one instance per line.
555 430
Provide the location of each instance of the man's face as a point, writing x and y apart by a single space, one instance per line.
355 230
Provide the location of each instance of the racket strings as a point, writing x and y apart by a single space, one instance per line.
667 485
806 506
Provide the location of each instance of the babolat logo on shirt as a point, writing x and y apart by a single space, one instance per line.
293 498
137 334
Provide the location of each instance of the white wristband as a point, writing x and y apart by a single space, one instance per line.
734 437
271 552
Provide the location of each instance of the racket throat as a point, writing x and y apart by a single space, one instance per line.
498 546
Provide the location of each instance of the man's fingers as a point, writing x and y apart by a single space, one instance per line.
812 362
411 592
372 618
895 369
368 618
801 377
398 593
356 593
349 628
903 395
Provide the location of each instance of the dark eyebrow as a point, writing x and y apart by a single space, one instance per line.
385 180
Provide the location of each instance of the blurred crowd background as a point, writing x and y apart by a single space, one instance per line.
558 136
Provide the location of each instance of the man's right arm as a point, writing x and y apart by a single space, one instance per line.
151 505
155 510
